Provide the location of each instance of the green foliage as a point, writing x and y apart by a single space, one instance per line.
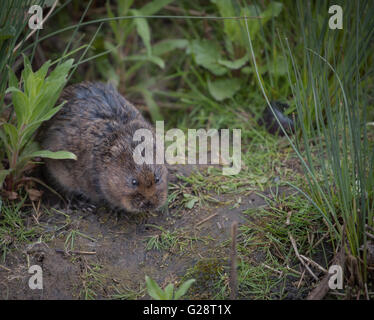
32 106
223 88
122 30
221 63
335 148
13 228
169 292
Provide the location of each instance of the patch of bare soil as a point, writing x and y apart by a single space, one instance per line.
99 254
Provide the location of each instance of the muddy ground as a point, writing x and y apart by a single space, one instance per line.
93 253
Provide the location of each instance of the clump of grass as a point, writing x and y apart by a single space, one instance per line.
265 250
93 281
335 87
13 230
166 240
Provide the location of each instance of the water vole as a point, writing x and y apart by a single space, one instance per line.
97 124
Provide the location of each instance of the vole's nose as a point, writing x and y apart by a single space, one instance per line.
147 204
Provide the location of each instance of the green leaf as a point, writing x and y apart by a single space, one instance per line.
230 27
156 60
168 45
51 90
124 6
190 203
223 88
153 289
207 54
169 291
236 64
12 134
61 71
13 81
20 104
183 288
112 23
272 10
143 30
42 72
53 155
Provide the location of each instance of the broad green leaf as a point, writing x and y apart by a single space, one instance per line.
156 60
13 81
27 134
153 289
207 54
253 24
12 134
27 70
236 64
190 203
49 114
168 45
61 71
230 27
169 291
223 88
52 88
20 104
183 288
272 10
42 72
124 6
53 155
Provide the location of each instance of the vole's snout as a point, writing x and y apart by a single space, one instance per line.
147 205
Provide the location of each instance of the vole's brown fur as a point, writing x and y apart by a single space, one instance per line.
97 124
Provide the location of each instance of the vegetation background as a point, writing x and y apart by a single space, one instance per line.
195 64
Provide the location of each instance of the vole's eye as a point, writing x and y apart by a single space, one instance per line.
157 179
134 182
